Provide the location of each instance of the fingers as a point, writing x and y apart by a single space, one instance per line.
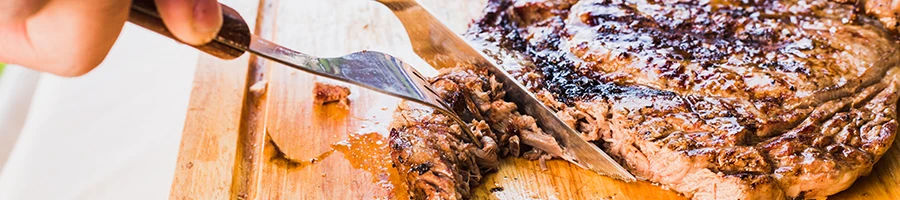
194 22
71 37
12 10
65 37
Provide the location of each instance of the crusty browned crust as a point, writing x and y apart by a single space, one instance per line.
329 93
713 99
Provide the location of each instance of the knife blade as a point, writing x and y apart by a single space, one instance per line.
441 47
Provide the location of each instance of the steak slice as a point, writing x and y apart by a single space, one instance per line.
440 161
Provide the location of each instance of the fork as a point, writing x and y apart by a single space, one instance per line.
369 69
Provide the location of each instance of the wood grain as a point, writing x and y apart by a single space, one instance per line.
276 144
305 131
206 161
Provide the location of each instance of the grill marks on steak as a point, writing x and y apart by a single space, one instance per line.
698 147
438 160
713 99
824 155
780 58
695 145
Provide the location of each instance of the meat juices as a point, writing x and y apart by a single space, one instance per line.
713 99
328 93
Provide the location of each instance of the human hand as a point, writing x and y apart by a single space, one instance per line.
71 37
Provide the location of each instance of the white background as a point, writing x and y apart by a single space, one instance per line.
111 134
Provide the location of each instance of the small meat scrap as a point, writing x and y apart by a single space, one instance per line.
328 93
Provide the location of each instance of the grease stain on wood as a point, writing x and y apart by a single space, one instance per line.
279 158
370 152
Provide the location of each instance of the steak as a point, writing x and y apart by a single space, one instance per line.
713 99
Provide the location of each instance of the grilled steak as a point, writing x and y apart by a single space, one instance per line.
713 99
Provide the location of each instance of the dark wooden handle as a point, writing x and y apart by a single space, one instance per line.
234 30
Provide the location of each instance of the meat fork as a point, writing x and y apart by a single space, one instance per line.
372 70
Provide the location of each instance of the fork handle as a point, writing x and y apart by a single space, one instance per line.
234 29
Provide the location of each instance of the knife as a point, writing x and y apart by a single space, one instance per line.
439 46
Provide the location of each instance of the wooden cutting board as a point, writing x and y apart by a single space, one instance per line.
253 132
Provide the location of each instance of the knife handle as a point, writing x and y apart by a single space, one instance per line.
234 29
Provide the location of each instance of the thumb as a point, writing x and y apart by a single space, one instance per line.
193 22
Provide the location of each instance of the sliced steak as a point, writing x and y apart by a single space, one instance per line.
440 161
